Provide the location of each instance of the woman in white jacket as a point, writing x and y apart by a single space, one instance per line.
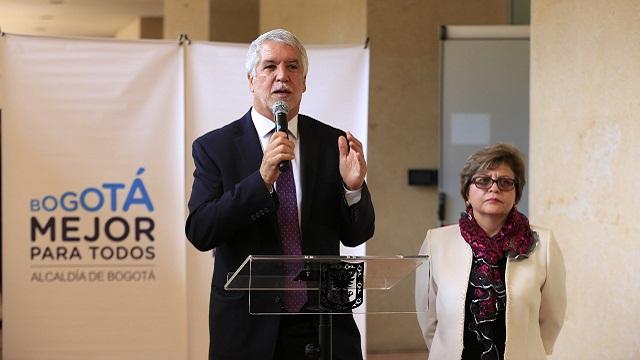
495 286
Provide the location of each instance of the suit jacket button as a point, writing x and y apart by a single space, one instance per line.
277 300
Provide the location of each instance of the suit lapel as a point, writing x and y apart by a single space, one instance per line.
309 157
248 145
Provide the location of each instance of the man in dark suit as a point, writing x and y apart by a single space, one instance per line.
238 206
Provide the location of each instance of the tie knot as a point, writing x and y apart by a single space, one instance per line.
288 132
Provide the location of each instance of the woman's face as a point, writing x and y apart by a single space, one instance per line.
493 202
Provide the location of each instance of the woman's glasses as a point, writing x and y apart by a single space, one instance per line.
486 182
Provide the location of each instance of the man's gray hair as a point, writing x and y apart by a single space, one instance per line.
281 35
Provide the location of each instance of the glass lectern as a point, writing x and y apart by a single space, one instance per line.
334 285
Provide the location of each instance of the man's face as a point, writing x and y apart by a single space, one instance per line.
279 76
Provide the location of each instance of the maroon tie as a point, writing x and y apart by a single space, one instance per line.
289 227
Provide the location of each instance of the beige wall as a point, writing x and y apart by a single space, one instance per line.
585 151
142 28
234 20
130 32
151 28
214 20
317 21
189 17
404 133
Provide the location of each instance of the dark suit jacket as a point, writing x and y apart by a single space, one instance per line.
232 211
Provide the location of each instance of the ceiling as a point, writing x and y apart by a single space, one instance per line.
94 18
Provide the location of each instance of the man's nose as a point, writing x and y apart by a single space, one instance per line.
281 73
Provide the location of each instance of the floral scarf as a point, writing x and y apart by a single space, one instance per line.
515 240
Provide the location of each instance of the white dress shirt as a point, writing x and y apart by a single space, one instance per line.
264 126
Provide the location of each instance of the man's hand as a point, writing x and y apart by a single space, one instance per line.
353 167
279 149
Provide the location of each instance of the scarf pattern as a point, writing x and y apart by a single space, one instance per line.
515 240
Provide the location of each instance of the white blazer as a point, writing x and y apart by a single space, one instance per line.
536 296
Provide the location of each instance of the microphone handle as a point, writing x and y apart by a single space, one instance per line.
282 124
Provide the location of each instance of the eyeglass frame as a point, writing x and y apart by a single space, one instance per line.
495 181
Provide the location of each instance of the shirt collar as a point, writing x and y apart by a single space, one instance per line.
264 125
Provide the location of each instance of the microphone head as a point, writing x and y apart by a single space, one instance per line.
280 107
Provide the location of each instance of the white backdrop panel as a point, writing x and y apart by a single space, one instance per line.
218 93
93 138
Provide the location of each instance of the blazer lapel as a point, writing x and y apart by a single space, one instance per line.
248 145
309 155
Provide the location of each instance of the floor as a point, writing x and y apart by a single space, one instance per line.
387 356
398 356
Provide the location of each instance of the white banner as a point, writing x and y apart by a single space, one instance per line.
218 93
93 200
215 96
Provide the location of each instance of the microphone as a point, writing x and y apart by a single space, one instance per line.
280 112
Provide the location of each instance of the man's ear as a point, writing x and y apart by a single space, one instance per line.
250 81
304 84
